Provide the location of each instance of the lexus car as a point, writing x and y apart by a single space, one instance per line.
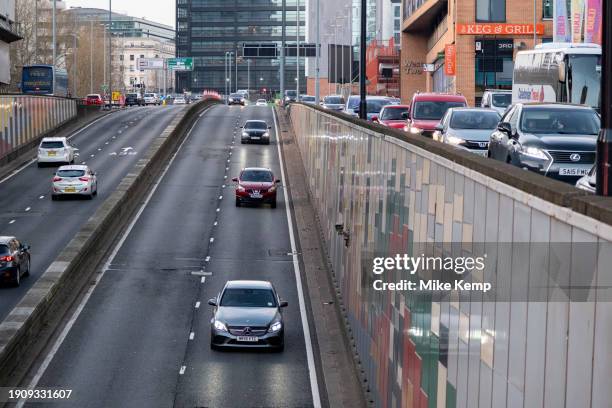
468 128
14 260
247 314
55 150
255 131
552 139
77 180
256 185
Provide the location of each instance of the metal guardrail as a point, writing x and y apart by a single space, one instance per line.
24 118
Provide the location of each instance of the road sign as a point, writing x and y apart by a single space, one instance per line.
271 50
150 63
116 95
180 64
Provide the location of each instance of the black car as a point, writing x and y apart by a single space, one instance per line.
236 99
247 314
14 260
134 99
552 139
255 131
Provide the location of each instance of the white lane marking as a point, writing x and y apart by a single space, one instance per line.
207 259
64 333
182 371
216 223
192 334
28 209
212 240
221 197
197 305
12 221
100 149
93 155
218 209
203 279
312 371
41 197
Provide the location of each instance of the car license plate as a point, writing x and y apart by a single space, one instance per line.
255 137
249 339
256 195
573 171
70 190
51 153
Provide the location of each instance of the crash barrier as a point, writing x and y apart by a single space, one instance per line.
26 118
26 330
539 337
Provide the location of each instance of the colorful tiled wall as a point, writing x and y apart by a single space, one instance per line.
463 350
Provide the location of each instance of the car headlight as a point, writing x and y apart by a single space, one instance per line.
272 189
267 134
245 134
241 189
415 130
274 327
231 100
454 140
220 326
535 153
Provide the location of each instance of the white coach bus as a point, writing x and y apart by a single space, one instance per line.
558 72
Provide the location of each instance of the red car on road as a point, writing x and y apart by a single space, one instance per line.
94 99
427 109
392 116
256 185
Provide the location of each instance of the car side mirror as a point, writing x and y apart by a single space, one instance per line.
405 115
212 302
561 72
505 127
25 247
439 127
283 303
277 181
374 118
269 127
235 179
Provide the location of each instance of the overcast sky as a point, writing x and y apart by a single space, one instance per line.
161 11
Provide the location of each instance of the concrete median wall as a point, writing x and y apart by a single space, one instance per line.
542 339
26 330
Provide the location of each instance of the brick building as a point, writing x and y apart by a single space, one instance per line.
486 35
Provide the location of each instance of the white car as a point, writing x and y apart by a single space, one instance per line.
179 100
261 102
74 180
55 150
151 99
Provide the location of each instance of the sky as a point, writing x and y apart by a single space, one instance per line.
161 11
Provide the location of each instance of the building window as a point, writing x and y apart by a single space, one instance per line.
494 64
547 9
121 57
131 57
491 10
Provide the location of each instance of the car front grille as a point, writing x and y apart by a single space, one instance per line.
565 157
254 331
476 145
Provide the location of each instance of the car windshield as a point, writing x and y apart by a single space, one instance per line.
52 145
4 250
584 79
235 96
393 113
474 120
353 102
261 100
131 95
248 298
256 125
93 97
502 100
262 176
560 121
375 105
433 110
308 98
70 173
149 95
334 100
291 93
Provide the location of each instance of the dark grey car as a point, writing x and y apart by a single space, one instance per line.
14 260
247 314
555 140
256 131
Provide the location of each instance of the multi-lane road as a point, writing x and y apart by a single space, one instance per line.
140 337
110 146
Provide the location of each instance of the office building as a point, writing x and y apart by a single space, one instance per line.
8 34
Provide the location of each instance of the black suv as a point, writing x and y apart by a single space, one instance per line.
553 139
255 131
134 99
14 260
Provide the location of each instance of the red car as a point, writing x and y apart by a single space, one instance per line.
94 99
392 116
427 109
256 185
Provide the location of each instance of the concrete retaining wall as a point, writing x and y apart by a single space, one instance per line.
28 327
542 339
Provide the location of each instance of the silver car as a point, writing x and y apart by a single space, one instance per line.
498 99
468 128
74 180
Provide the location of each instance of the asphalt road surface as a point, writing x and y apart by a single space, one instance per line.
110 147
142 338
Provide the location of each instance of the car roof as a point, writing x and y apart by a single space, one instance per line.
73 167
537 105
498 91
438 97
396 107
5 239
255 120
53 139
257 168
468 109
248 284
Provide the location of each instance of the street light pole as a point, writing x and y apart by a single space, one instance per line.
225 74
236 69
282 51
249 76
231 56
297 50
74 69
54 40
318 59
362 62
604 141
91 57
110 52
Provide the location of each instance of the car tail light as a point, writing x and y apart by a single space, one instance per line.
56 178
6 258
84 178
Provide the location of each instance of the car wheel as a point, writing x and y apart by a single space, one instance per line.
238 203
90 196
27 272
273 204
54 197
96 190
39 164
213 347
17 280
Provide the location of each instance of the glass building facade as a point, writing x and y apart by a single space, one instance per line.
207 29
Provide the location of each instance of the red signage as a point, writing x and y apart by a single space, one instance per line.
450 59
499 29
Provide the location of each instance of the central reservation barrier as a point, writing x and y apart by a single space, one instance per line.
542 338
